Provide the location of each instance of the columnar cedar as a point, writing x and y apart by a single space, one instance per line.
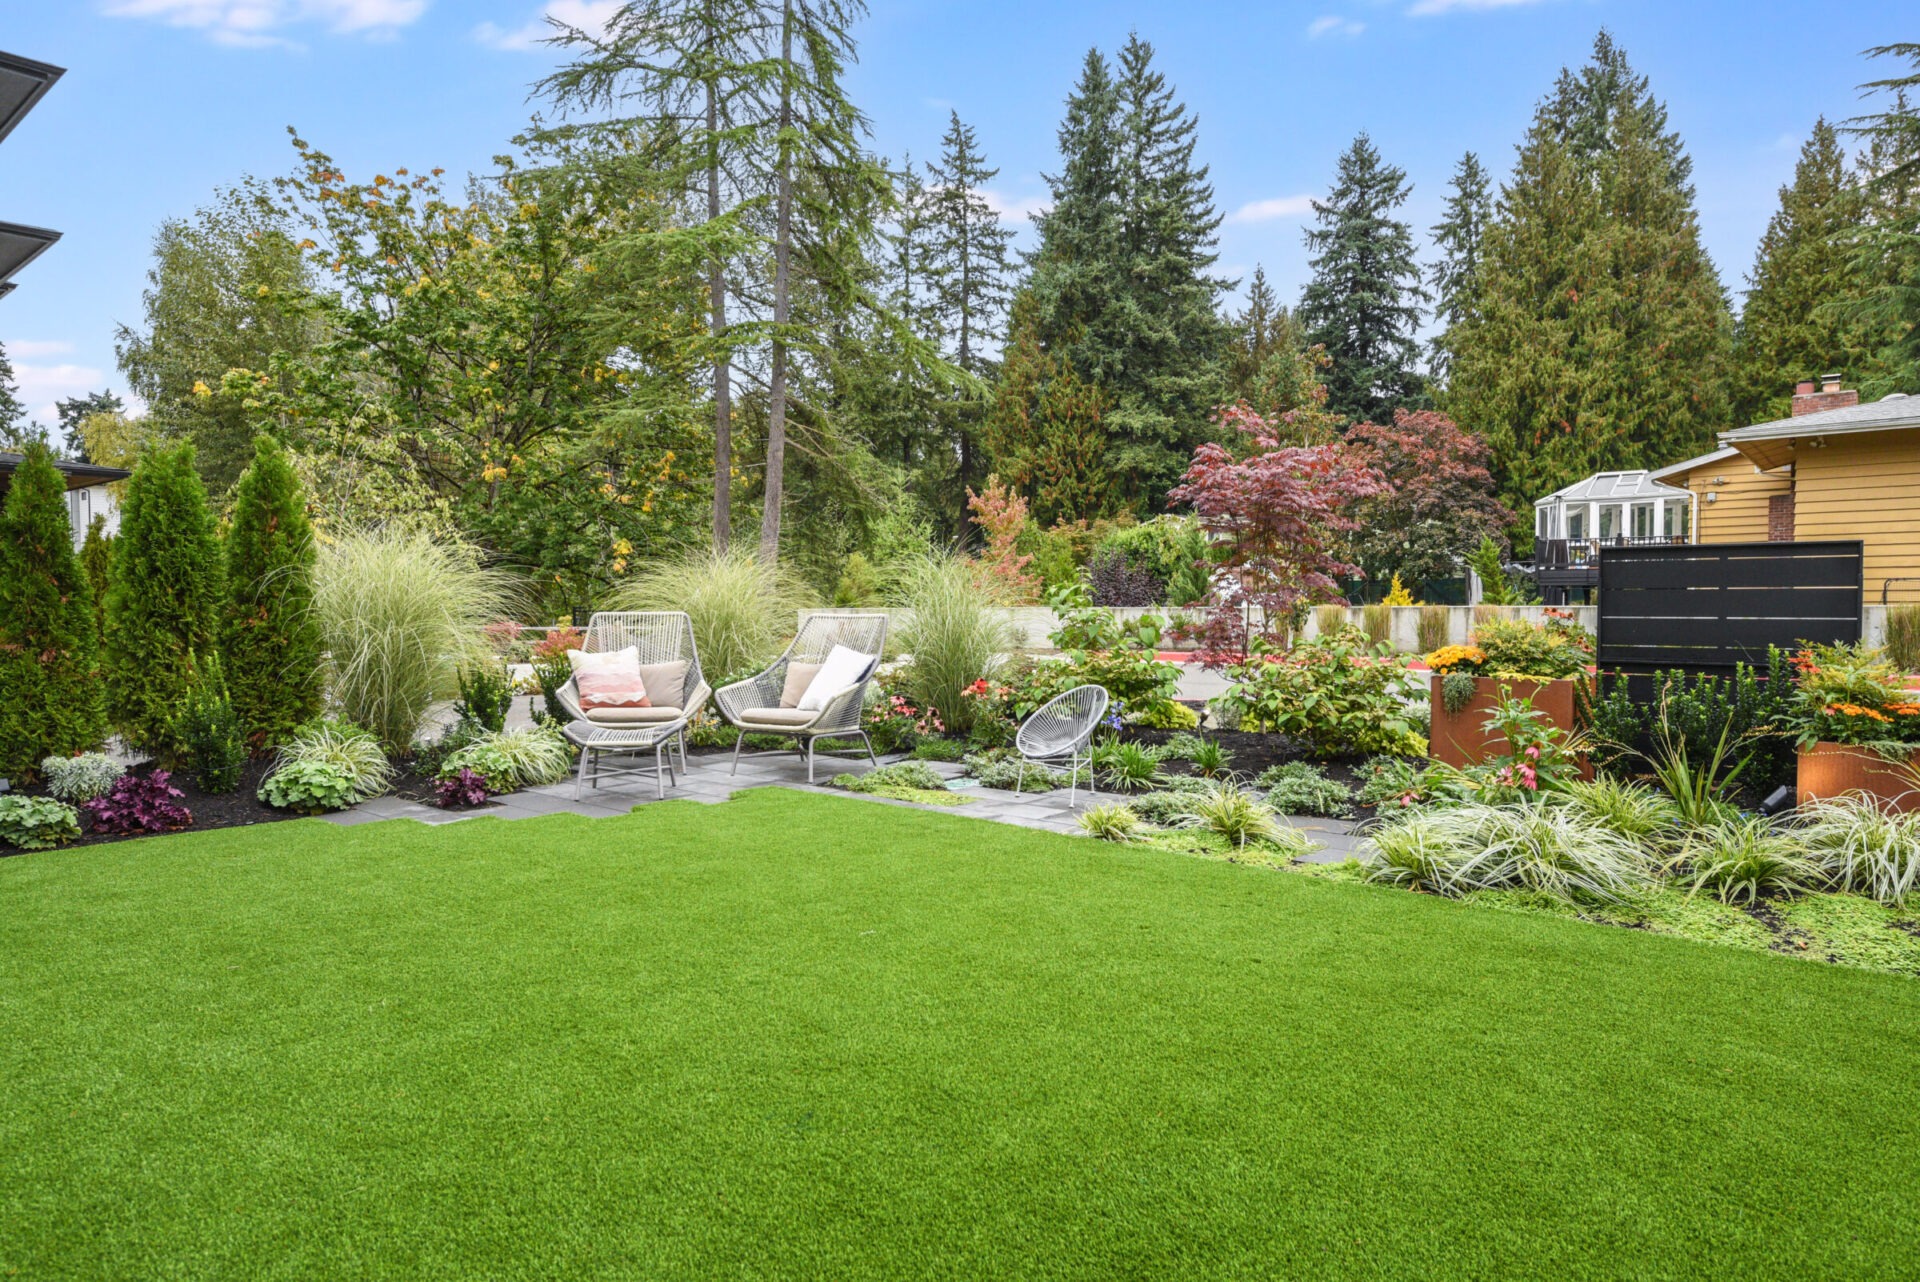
1045 432
96 562
50 697
1459 236
1363 303
268 632
163 603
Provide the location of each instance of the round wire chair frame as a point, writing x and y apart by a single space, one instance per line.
1062 728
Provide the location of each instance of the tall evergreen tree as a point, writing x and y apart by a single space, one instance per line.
1363 303
268 633
1603 340
1459 236
1787 331
1263 344
1121 279
50 702
11 410
1044 429
1884 262
164 602
76 410
967 278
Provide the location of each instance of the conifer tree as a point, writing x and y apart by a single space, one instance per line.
1456 273
96 562
1884 252
1603 339
1121 279
164 600
1262 342
1787 332
1044 429
1363 303
11 410
268 633
50 702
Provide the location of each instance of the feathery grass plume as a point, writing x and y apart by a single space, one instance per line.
399 612
743 609
1434 627
957 632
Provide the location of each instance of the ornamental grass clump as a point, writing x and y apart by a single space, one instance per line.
1863 846
742 609
1552 849
399 613
957 633
1239 815
1743 858
524 757
1127 766
1633 810
345 748
1110 823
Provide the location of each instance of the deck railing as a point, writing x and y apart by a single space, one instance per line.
1565 554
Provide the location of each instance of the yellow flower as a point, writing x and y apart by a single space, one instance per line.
493 472
201 389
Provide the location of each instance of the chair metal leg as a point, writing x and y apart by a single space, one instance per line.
868 740
736 751
1020 778
660 770
809 758
1073 777
579 778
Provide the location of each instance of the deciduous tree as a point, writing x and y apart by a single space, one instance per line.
1439 503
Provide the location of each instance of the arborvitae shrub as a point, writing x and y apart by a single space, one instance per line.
268 631
208 732
164 602
50 696
96 562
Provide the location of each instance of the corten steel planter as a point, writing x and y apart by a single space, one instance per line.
1459 739
1831 769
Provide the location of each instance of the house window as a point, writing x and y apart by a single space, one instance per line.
1643 520
1675 522
1610 520
1577 523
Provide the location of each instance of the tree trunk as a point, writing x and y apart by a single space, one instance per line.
782 252
723 361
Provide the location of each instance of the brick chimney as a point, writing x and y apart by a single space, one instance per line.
1829 396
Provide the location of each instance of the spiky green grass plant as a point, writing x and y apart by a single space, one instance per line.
1864 846
1745 858
743 609
957 633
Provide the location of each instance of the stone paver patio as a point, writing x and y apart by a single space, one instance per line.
709 778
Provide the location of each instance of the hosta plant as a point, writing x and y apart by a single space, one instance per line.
309 787
80 778
36 823
138 803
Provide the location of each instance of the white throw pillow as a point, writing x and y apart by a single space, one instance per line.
842 668
625 662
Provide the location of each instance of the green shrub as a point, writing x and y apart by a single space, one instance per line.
399 612
902 774
525 757
1864 847
1172 549
859 583
1165 714
957 634
1127 766
80 778
163 606
935 749
1903 637
310 787
486 694
1385 779
208 732
998 769
1110 823
1301 788
1181 747
37 823
1335 694
50 700
743 610
1164 808
354 752
1743 858
96 562
268 633
1434 627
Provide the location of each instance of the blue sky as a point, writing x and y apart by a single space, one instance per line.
166 100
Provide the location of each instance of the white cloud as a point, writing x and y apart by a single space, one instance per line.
587 15
1333 25
42 385
257 23
1015 209
27 349
1427 8
1261 211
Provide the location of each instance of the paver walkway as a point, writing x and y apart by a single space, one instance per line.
710 779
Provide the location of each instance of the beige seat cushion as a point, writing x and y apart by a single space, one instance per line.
653 716
780 717
799 677
665 682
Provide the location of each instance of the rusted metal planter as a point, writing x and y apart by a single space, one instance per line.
1832 769
1460 739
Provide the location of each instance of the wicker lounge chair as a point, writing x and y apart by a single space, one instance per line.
1062 729
765 704
670 666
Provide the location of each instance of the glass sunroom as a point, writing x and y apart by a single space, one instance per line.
1615 507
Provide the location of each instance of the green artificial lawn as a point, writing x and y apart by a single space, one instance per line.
803 1035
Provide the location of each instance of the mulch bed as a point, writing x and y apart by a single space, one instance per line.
241 808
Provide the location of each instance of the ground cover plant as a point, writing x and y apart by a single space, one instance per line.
902 781
971 1031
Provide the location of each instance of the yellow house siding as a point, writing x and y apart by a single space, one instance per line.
1738 512
1866 487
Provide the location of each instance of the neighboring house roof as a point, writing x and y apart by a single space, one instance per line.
1770 445
79 475
1613 487
1675 469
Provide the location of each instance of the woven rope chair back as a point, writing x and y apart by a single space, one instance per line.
866 633
661 636
1063 723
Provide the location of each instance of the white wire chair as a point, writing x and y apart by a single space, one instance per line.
753 706
1062 729
659 636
